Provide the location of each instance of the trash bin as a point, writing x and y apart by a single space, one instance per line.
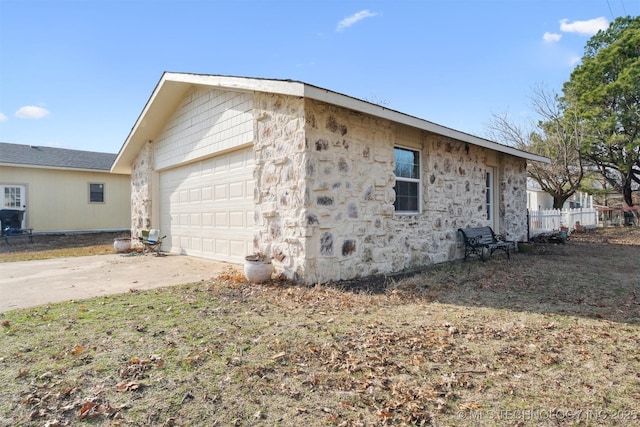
10 219
628 218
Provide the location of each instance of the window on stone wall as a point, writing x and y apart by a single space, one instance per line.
407 180
96 193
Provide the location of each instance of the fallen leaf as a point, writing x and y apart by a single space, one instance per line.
278 356
40 413
22 373
46 376
31 399
93 410
86 407
108 409
384 414
128 386
66 391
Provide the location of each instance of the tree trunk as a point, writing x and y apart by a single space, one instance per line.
626 192
558 201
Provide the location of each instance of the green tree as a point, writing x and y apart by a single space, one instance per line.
604 91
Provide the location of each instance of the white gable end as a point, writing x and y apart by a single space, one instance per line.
208 121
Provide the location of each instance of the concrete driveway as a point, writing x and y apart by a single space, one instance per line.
33 283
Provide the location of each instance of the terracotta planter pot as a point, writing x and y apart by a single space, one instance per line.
257 269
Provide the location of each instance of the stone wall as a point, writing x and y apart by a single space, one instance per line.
454 196
349 193
280 163
141 187
352 228
513 197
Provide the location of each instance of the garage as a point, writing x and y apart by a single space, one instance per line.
207 209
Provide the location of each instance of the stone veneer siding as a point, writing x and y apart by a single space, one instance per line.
324 192
280 170
141 187
513 197
324 179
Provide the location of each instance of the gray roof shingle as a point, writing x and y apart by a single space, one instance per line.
54 157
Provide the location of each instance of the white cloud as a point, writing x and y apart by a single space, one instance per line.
31 112
551 37
353 19
3 118
584 28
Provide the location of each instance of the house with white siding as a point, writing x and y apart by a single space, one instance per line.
329 186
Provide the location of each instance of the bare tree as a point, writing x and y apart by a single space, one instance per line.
556 136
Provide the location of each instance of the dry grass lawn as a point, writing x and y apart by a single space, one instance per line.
548 338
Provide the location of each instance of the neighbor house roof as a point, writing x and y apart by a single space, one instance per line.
56 158
172 87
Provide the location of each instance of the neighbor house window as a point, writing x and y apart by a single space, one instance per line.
407 180
12 197
96 193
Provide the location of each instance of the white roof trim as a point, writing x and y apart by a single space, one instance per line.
140 131
283 87
61 168
379 111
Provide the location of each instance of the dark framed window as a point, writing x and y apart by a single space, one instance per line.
407 187
96 193
489 195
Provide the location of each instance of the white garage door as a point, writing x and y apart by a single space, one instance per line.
206 208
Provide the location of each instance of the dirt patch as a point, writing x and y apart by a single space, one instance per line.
45 242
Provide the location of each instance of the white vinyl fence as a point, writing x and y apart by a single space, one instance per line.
547 220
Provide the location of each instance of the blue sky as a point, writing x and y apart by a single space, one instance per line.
77 73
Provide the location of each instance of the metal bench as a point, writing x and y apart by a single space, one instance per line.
479 239
8 234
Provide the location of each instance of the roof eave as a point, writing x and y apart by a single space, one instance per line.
48 167
144 129
173 86
169 92
355 104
